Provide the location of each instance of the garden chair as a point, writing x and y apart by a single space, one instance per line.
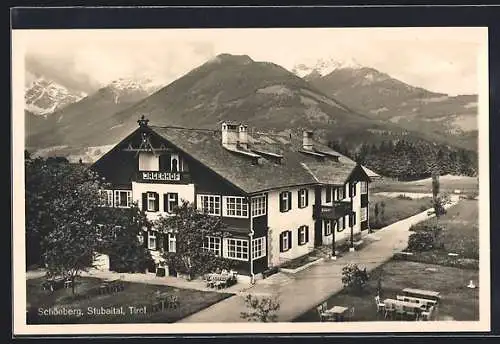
399 311
380 305
389 310
410 312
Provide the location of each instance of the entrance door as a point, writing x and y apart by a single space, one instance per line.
318 232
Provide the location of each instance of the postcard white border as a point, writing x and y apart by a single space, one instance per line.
18 241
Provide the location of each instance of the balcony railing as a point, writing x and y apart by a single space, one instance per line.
162 177
332 212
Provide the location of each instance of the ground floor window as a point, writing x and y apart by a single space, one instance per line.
237 249
285 241
212 244
327 225
303 235
172 242
152 240
364 214
341 224
258 247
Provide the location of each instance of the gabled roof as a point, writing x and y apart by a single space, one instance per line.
295 169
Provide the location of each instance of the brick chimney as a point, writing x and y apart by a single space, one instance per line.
243 136
307 140
230 135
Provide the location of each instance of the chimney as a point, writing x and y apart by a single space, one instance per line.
243 136
230 135
307 140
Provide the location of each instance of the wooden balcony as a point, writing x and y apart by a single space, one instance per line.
163 177
332 212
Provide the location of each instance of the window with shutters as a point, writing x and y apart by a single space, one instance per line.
341 193
106 198
303 198
285 201
212 244
352 190
341 224
123 198
151 201
258 247
172 242
152 240
303 235
259 205
209 204
285 241
235 206
328 195
364 214
327 224
364 187
237 249
171 201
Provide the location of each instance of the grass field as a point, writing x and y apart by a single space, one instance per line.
467 185
460 232
135 294
396 208
457 301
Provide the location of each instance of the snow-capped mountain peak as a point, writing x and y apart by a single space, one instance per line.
323 66
138 86
43 96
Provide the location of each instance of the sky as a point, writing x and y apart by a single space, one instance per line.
438 59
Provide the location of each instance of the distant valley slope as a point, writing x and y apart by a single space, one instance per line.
380 96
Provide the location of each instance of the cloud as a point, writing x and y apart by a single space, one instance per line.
439 59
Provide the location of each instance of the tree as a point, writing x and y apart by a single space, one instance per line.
191 229
262 309
70 246
353 277
119 232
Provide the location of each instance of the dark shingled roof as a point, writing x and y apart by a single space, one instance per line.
296 168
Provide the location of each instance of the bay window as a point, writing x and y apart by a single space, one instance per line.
209 204
212 244
235 206
106 198
236 249
259 205
123 198
258 247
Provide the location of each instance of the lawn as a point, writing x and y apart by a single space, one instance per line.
396 208
460 235
135 294
457 301
467 185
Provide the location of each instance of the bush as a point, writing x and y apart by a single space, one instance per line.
262 310
421 241
354 278
428 227
402 196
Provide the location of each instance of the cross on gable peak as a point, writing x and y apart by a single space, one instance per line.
143 122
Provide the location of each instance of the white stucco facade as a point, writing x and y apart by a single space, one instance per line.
185 192
291 220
